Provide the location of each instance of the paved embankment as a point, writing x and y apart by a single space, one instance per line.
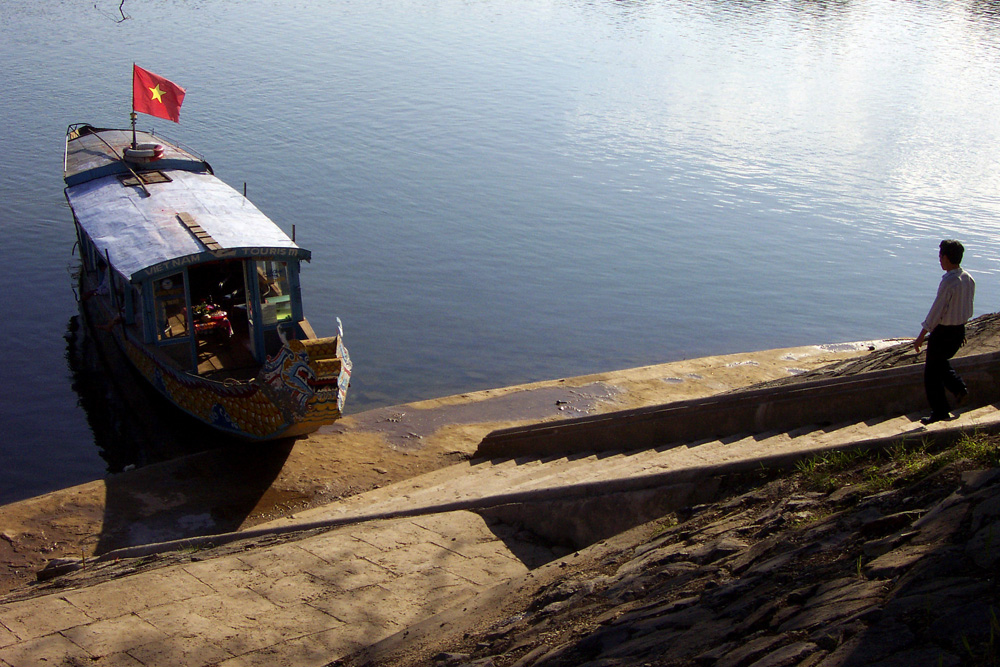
370 567
236 488
312 600
300 603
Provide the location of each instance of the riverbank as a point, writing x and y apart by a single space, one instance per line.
471 564
232 489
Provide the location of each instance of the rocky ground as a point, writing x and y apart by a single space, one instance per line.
878 560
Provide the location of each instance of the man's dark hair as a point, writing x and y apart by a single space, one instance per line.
953 250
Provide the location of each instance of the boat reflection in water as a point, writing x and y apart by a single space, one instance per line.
131 424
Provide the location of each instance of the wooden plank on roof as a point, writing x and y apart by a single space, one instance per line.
204 237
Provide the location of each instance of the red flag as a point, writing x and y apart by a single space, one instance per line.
155 95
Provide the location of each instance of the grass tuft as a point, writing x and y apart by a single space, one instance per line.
901 464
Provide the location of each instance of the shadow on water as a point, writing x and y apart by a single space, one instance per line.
170 476
131 424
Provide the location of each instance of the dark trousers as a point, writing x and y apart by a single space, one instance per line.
942 345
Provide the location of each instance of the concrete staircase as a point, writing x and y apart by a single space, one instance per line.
580 480
577 499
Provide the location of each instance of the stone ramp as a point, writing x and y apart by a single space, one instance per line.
303 602
235 488
392 557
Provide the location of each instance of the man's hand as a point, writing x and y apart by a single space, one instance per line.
919 340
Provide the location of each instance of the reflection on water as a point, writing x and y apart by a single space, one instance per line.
99 400
132 424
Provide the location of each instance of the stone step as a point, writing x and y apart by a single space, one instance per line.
485 480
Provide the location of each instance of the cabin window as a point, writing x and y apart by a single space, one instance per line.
171 315
275 291
119 284
134 305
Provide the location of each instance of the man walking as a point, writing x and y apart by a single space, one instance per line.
945 322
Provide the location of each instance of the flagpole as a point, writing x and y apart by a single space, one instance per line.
132 115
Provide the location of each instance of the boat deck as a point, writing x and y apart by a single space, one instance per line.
221 355
220 360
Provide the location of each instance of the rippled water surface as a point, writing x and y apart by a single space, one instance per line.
503 191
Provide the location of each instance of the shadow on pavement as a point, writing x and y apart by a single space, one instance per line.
185 479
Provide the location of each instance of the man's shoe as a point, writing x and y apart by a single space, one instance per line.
934 418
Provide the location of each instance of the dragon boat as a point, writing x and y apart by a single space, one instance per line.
198 287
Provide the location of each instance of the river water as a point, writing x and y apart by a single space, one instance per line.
503 191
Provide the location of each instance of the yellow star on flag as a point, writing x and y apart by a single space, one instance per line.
157 93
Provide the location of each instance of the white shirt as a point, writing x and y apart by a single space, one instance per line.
953 304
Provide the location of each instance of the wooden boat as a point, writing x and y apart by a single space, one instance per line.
198 287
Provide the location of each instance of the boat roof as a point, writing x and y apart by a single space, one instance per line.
93 152
181 215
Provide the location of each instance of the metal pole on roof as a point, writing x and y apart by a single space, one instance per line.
133 117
